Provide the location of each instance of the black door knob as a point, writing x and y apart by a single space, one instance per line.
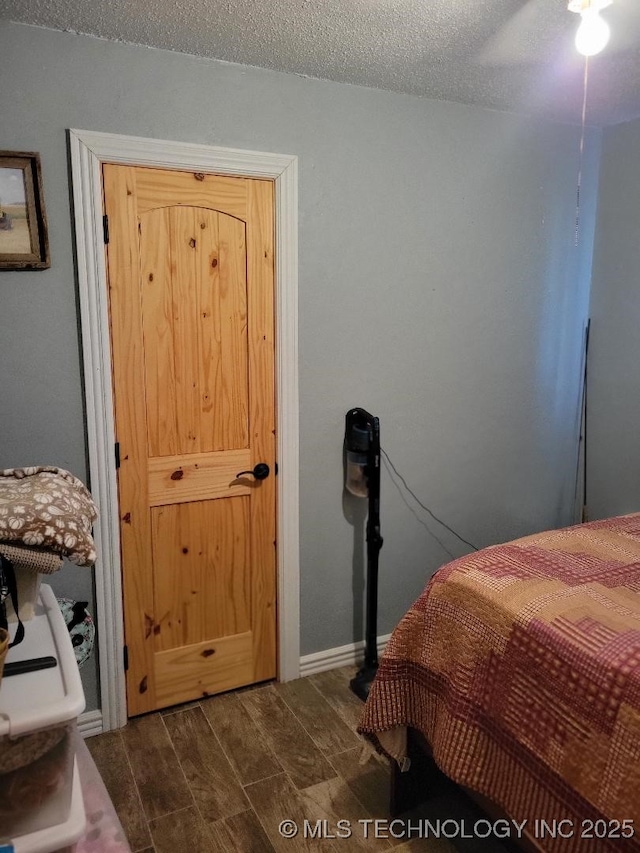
260 472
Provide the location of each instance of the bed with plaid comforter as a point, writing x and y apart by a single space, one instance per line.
520 665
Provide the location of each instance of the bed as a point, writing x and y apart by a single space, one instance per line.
519 668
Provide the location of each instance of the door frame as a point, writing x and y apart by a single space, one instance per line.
88 151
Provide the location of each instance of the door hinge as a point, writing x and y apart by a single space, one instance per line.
117 454
276 469
105 228
125 657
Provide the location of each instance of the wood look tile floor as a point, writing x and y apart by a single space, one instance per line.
221 774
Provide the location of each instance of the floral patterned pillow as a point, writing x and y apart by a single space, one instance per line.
50 509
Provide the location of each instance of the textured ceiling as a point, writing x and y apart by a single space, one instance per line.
515 55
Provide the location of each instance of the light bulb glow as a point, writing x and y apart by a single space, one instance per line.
593 32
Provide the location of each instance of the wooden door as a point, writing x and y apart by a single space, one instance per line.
191 295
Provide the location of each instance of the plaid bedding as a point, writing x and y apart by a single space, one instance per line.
520 664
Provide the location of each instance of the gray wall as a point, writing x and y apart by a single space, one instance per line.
440 288
614 375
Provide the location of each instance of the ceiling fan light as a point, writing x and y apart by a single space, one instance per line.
593 33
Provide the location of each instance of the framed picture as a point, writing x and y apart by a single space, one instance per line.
24 244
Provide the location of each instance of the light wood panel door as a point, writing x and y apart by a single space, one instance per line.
191 296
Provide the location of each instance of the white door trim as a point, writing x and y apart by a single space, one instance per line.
89 150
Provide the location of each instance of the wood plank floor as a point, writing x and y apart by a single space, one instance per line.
221 774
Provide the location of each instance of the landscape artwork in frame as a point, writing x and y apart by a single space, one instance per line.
24 243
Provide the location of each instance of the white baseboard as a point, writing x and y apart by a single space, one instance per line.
353 653
90 723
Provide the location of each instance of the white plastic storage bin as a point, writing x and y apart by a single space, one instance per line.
35 706
56 835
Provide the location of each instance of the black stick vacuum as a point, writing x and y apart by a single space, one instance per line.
362 446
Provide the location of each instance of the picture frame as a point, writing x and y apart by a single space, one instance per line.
24 240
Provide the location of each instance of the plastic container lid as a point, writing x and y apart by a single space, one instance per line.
47 697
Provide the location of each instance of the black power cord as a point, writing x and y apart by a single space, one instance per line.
414 512
426 508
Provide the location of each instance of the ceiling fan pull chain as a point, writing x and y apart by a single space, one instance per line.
585 86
